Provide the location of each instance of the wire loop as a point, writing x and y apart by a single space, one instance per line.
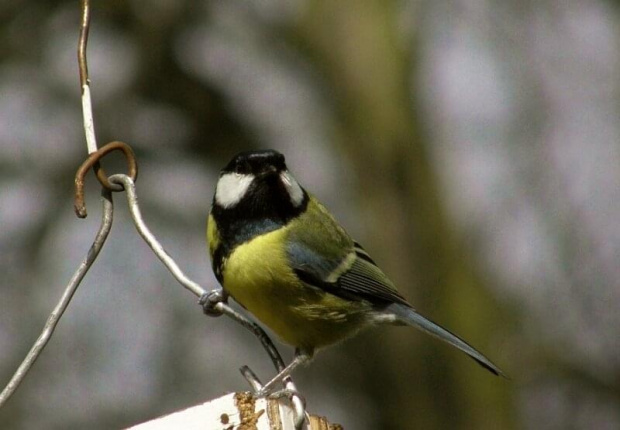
93 161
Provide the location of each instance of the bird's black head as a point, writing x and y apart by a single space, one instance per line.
256 163
256 193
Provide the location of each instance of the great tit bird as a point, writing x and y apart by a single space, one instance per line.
282 256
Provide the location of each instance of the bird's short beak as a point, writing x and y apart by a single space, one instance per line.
268 171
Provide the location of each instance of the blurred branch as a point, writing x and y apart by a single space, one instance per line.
370 67
549 365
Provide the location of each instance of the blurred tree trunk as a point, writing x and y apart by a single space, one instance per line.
369 67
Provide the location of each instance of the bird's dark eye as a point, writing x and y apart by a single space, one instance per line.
279 162
242 168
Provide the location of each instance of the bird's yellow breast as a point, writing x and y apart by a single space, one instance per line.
257 274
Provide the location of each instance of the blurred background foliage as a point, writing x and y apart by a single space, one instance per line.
471 146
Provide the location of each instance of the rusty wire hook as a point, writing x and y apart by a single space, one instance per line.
93 161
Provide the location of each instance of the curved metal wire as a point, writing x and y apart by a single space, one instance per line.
87 107
149 238
52 321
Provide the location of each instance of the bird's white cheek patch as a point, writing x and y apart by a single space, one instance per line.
231 188
293 188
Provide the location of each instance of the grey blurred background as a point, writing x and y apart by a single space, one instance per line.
471 146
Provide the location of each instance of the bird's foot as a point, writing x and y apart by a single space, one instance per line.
297 401
252 379
267 391
285 392
210 300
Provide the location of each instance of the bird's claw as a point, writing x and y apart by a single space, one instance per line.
267 391
262 393
210 300
286 392
298 402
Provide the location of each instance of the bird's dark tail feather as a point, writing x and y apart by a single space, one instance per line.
410 317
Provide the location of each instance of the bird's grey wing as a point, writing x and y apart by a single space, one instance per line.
354 276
